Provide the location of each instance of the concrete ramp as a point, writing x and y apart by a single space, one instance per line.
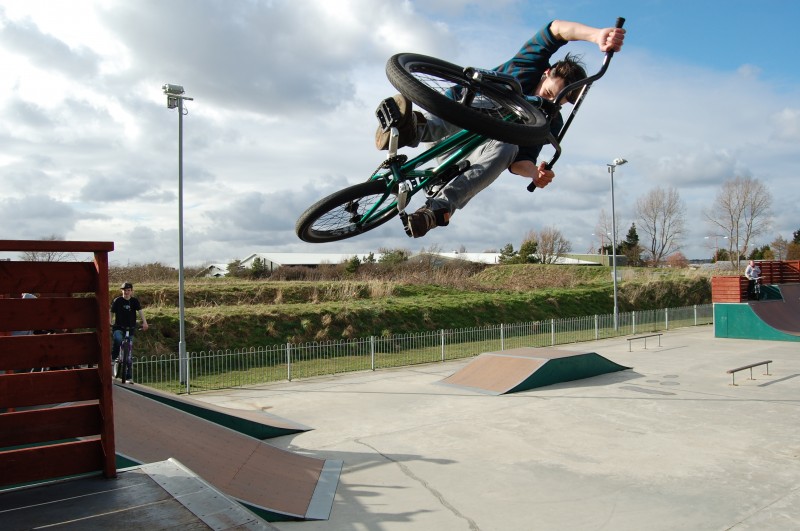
520 369
273 483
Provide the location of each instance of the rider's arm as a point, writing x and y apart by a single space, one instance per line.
606 38
145 326
526 168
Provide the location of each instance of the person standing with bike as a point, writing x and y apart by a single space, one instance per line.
531 67
123 315
753 274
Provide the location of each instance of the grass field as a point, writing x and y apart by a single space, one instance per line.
238 314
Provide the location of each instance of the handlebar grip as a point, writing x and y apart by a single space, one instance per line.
531 186
620 22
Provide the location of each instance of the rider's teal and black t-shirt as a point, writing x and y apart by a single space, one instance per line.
528 66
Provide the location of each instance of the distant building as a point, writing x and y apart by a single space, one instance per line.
478 258
275 260
216 270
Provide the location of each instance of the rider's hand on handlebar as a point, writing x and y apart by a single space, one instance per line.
611 39
543 176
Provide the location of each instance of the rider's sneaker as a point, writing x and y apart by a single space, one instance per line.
406 124
420 222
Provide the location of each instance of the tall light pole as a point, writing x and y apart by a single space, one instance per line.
611 168
175 97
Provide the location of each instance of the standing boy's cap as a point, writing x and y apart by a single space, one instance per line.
126 285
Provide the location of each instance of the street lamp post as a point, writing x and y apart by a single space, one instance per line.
611 168
716 245
175 97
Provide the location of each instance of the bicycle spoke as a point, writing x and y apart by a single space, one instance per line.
351 213
455 90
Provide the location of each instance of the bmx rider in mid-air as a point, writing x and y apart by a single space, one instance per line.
531 66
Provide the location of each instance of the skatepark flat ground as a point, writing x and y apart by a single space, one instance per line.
669 444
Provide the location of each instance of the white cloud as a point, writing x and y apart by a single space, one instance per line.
284 113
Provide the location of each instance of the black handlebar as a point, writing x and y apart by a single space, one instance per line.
584 85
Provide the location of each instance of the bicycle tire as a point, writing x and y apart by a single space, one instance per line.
127 360
427 80
333 217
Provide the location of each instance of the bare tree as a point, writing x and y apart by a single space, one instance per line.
742 210
551 244
603 231
47 256
662 217
780 248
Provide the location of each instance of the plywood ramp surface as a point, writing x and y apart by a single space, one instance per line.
258 424
783 315
526 368
242 467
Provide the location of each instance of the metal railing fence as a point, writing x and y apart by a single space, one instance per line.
224 369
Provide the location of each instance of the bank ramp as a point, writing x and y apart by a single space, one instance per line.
273 483
520 369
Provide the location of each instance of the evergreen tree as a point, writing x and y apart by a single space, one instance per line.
352 265
235 269
508 255
630 247
259 268
631 240
528 252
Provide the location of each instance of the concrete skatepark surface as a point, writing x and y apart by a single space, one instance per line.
669 444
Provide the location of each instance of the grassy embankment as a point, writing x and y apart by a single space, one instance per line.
235 313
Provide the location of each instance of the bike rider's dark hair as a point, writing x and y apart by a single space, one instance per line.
570 69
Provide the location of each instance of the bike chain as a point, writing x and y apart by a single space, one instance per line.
400 159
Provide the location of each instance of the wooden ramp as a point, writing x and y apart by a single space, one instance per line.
774 320
274 483
782 315
520 369
258 424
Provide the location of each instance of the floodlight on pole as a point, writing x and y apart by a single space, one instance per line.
611 167
716 244
175 97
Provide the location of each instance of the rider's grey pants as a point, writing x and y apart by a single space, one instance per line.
487 162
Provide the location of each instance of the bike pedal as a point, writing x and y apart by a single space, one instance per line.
388 113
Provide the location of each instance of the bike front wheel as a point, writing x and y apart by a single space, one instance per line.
347 213
488 109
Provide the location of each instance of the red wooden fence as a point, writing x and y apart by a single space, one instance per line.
38 440
734 289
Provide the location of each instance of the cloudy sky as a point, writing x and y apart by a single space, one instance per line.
283 114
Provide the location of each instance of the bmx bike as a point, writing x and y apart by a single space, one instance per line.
123 363
485 104
755 288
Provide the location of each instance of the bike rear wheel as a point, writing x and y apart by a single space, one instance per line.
342 214
495 111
